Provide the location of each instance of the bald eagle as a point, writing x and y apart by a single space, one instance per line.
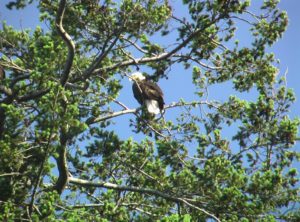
147 93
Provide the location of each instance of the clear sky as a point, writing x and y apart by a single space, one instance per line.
178 85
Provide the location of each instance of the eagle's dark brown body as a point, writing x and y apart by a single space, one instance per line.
148 93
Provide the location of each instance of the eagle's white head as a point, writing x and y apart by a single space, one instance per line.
137 76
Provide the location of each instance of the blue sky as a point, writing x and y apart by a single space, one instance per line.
179 85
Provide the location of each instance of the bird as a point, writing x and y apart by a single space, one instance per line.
147 93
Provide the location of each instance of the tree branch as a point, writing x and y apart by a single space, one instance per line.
32 95
10 174
156 58
62 165
61 161
134 44
6 91
107 185
98 60
39 176
93 120
68 40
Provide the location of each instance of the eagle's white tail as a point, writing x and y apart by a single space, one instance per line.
152 106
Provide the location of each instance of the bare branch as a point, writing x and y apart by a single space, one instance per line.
200 209
93 120
68 40
198 62
164 195
109 185
258 18
134 44
116 101
11 65
242 19
9 174
178 104
6 91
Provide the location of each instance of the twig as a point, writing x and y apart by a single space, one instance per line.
178 104
199 62
242 19
200 209
134 44
197 159
116 101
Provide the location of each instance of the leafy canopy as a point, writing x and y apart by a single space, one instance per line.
60 156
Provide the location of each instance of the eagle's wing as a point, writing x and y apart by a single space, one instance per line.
151 90
147 90
138 93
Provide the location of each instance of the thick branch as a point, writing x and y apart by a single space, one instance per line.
10 174
19 78
68 40
166 196
62 169
6 91
33 95
61 161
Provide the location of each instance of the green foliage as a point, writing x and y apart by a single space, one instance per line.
63 155
176 217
